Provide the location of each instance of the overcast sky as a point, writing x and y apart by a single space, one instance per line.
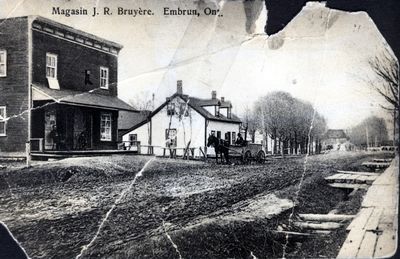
321 56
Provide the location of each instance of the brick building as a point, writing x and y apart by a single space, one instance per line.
69 80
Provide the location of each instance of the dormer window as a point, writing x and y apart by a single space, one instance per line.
217 107
51 65
104 77
171 108
184 109
3 63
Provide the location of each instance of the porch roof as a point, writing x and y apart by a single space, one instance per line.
87 99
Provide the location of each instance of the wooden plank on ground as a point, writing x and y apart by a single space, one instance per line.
386 226
374 219
388 177
349 185
292 233
384 160
373 177
367 179
379 196
319 226
367 246
386 244
362 179
384 181
351 244
337 177
388 215
361 219
376 165
331 178
370 179
358 173
326 217
351 178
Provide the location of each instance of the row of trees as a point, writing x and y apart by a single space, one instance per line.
370 132
293 125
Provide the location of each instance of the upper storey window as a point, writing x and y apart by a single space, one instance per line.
3 63
51 65
104 77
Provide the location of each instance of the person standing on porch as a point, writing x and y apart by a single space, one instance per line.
54 137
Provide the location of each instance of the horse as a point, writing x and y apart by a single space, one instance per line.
220 147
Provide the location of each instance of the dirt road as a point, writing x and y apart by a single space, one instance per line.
176 208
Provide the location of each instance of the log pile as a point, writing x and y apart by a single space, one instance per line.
307 224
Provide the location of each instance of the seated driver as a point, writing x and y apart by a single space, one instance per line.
239 140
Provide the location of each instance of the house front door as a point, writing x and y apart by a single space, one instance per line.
82 130
50 129
170 137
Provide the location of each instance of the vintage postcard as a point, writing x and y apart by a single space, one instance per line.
199 128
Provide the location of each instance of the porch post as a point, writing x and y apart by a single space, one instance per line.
28 153
30 102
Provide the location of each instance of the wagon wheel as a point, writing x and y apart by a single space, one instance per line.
260 157
247 157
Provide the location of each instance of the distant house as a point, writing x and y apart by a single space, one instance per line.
334 139
183 121
258 137
58 87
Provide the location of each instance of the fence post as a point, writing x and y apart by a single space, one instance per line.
41 145
28 153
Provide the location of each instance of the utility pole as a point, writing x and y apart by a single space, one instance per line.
366 131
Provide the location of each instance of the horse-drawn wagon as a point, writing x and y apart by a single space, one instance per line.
247 152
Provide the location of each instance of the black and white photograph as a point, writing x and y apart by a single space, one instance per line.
199 128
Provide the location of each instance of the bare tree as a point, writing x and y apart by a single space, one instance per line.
377 132
387 69
142 102
251 124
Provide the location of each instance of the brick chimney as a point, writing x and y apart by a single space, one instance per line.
213 95
179 89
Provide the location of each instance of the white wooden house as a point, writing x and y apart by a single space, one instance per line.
266 141
183 121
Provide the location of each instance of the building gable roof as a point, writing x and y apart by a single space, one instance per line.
335 134
197 105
